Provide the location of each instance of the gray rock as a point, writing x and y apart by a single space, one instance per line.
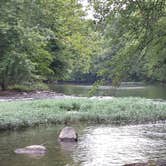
68 134
161 162
137 164
33 149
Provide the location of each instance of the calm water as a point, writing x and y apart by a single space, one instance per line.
101 145
127 89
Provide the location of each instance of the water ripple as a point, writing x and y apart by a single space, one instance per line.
115 146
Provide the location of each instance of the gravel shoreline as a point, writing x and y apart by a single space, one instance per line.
14 95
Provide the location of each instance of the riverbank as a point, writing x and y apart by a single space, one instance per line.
11 95
19 114
36 95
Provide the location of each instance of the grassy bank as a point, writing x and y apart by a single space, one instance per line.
29 87
19 114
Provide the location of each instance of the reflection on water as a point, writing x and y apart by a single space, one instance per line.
135 90
115 146
99 145
34 156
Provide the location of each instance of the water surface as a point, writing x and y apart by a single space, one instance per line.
98 145
125 90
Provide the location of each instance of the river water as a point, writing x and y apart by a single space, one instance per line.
98 145
125 90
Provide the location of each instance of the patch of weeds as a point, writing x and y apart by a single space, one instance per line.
70 107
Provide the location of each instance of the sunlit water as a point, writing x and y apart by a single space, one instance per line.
98 145
126 90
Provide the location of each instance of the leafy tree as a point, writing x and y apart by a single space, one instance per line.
43 40
134 39
23 54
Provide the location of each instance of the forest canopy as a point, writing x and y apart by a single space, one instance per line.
135 39
43 40
53 40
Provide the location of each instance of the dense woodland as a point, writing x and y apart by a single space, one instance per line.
50 40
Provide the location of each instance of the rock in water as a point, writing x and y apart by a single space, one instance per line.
33 149
136 164
68 134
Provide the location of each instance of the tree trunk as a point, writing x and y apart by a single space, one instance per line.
4 86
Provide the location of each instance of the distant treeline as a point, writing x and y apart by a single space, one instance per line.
46 41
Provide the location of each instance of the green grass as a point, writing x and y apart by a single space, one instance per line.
18 114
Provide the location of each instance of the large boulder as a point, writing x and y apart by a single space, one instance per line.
33 149
68 134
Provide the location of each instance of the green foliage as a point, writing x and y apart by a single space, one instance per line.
134 39
51 40
23 54
18 114
29 87
96 85
43 40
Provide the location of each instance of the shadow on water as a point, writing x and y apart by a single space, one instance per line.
102 145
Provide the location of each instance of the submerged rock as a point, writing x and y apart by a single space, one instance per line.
33 149
161 162
137 164
68 134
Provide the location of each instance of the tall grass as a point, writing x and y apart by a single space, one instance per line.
17 114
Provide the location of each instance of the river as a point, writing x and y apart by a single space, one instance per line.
125 90
98 145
